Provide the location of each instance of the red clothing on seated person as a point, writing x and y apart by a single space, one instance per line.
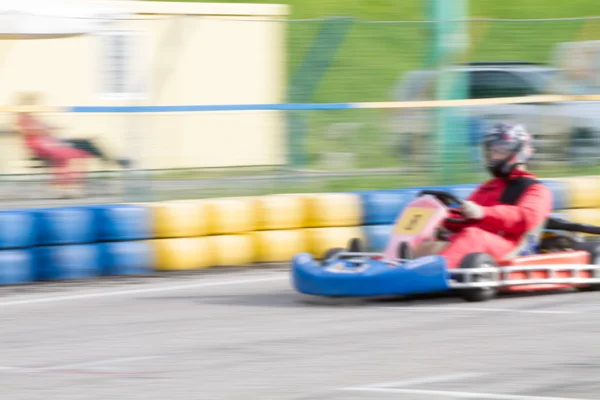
39 140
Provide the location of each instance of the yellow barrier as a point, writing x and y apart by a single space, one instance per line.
583 192
231 215
182 254
231 250
333 209
280 212
279 245
583 215
173 219
274 228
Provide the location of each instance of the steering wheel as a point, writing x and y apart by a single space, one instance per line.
445 197
448 199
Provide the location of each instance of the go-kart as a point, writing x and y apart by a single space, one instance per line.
554 256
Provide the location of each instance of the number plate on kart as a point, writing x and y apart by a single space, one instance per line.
413 220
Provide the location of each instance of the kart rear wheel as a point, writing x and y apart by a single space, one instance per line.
593 248
474 261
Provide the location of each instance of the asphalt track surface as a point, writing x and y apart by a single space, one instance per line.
245 334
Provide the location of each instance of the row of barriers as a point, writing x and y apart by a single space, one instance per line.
126 239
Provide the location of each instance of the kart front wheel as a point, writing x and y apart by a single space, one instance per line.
474 261
331 253
355 245
404 251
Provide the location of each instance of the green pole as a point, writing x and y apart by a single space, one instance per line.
305 82
449 41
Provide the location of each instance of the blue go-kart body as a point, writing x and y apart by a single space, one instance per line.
368 276
353 272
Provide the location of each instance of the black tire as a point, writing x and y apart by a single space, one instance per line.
474 261
404 251
557 243
355 245
331 252
593 248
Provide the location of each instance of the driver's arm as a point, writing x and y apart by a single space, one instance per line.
533 208
455 213
456 227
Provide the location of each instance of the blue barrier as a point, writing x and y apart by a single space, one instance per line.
560 193
127 258
462 191
116 222
383 206
68 262
65 225
377 236
18 229
17 266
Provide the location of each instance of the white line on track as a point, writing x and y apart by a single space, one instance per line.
420 381
396 388
97 363
81 366
82 295
491 309
127 292
16 369
461 395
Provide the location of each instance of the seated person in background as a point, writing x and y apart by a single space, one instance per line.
89 146
502 210
67 177
57 153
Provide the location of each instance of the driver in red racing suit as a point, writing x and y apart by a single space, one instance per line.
493 225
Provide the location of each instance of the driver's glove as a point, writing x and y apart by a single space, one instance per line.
472 210
442 234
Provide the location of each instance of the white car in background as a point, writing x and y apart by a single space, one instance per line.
567 132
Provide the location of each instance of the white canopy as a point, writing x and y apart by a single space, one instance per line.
41 19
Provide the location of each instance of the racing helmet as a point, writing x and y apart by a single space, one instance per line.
504 146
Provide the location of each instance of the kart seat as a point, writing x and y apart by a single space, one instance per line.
527 244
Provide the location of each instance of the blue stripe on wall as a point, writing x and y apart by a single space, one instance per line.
222 107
